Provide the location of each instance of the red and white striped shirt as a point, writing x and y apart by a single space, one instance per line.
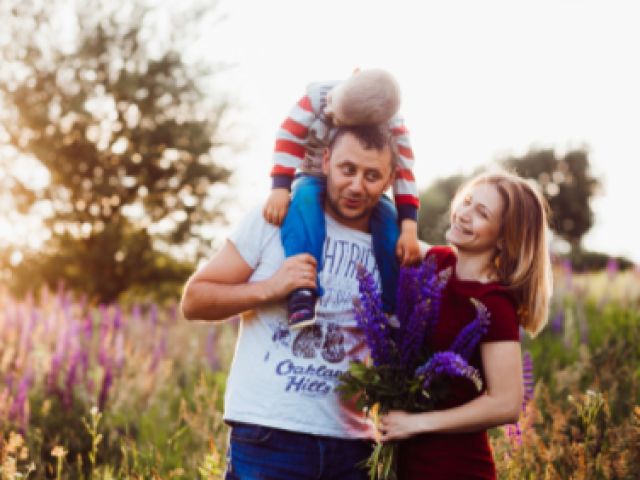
296 149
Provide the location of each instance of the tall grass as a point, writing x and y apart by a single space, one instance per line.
154 377
133 391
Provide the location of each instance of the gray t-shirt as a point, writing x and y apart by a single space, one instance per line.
285 379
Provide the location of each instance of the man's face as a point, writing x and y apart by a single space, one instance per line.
356 179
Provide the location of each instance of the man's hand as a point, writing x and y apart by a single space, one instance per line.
277 206
299 271
408 248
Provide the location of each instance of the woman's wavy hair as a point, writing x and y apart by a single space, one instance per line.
524 262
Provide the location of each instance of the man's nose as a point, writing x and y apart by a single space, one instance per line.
357 183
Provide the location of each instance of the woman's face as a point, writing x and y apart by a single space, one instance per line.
477 221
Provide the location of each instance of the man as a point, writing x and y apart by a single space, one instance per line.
286 420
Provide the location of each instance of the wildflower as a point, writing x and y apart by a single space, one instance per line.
24 453
58 452
558 322
372 320
448 364
470 336
514 433
527 373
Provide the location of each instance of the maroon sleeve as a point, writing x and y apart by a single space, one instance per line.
504 324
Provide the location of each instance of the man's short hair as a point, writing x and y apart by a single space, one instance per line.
376 137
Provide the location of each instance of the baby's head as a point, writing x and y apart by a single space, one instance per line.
367 97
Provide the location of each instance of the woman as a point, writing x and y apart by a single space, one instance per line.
499 256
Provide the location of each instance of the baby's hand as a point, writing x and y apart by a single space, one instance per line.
408 248
277 206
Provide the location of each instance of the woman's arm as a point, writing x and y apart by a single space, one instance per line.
500 405
222 289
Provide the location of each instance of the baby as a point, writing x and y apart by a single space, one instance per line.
367 97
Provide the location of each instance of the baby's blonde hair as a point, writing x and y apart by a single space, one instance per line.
370 97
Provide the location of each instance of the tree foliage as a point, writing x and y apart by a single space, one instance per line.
568 185
101 95
566 182
433 216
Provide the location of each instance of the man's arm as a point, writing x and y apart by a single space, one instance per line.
222 289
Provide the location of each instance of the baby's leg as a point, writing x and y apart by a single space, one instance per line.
304 231
385 233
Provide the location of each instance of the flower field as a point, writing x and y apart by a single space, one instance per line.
134 391
110 391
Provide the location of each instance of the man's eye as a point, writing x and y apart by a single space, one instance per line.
372 177
347 169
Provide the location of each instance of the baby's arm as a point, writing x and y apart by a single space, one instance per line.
290 148
406 197
408 247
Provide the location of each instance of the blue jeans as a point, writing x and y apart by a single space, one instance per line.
257 452
304 231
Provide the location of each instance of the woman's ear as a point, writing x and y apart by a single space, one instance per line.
500 244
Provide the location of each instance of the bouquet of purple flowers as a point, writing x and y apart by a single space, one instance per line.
404 375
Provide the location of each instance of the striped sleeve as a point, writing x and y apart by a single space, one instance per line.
291 143
405 190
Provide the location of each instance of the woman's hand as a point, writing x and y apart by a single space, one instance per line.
397 425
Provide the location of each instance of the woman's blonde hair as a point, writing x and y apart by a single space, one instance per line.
524 262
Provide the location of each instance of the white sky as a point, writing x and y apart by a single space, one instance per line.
479 78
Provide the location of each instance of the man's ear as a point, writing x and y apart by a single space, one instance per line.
326 156
392 177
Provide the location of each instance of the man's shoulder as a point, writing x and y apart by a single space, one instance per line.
255 219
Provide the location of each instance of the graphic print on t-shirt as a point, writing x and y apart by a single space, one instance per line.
308 358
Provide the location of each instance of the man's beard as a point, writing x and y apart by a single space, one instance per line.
334 204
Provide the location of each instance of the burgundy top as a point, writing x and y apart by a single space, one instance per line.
460 455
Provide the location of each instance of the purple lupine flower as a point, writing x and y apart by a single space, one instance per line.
88 326
413 334
527 378
372 320
470 336
154 315
107 381
612 268
514 433
448 364
103 348
117 318
557 324
70 381
15 413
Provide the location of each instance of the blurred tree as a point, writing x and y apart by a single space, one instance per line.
433 215
101 95
568 186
